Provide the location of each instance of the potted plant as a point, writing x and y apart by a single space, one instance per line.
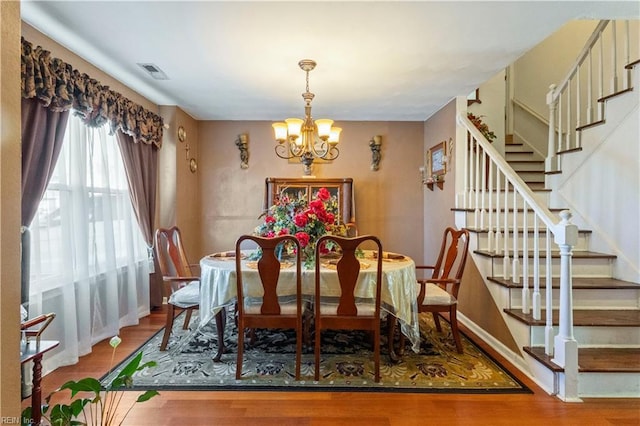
90 403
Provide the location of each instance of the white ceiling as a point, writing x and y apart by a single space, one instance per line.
237 60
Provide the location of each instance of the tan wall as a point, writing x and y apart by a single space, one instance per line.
477 304
475 301
388 201
10 213
178 188
439 202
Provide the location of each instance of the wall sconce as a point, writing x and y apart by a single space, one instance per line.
241 143
375 144
182 137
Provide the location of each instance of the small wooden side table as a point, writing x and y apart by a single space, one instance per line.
33 350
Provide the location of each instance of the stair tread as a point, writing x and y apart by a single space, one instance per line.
582 283
585 317
576 254
623 360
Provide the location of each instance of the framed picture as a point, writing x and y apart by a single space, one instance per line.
436 163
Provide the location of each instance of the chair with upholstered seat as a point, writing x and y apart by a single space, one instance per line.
280 304
181 286
351 311
439 293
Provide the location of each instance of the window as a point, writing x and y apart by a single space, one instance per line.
89 262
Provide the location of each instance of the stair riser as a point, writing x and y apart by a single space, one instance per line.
531 176
519 156
483 241
583 298
528 166
622 337
609 385
580 267
534 186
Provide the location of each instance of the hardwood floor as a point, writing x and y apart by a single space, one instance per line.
343 408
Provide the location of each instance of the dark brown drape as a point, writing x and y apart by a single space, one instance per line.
141 166
42 135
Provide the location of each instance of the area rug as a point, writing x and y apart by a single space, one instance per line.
346 363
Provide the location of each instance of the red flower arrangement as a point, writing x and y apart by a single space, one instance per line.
306 221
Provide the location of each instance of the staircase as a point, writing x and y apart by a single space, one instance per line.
606 316
577 327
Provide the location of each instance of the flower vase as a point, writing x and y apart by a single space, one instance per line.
309 255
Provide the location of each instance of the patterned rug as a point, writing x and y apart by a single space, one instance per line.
346 363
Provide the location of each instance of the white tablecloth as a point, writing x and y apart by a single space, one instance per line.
399 289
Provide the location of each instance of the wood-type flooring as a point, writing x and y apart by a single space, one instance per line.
197 408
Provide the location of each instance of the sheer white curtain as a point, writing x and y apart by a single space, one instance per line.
89 262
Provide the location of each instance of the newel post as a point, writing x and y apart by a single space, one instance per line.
551 163
565 346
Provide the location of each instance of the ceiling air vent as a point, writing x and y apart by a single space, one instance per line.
154 71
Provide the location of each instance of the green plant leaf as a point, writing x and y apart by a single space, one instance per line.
147 396
26 417
77 406
88 384
132 366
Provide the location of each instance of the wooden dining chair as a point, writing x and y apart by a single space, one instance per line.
347 313
181 286
439 293
271 310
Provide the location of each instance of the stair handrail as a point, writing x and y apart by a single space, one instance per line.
584 53
576 103
543 211
562 347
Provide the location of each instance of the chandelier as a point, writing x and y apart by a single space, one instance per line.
307 139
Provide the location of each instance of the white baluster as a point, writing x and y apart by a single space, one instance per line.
466 192
498 233
472 173
614 58
627 56
506 262
601 78
536 270
484 188
490 233
526 307
548 331
476 213
567 142
590 88
551 163
578 142
515 274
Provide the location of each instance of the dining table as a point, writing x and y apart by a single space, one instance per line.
218 290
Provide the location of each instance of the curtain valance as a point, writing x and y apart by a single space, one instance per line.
57 85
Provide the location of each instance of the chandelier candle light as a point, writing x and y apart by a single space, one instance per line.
307 140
